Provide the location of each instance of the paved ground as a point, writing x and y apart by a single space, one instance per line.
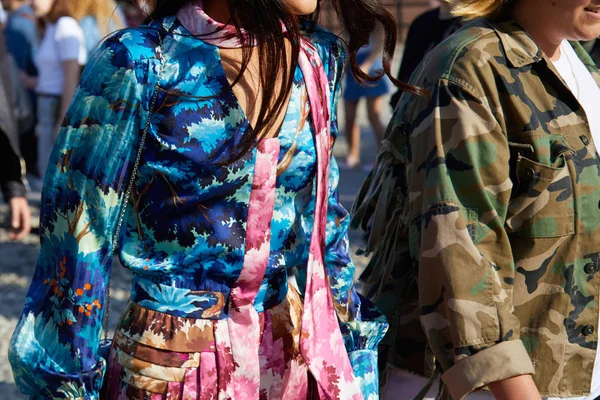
17 260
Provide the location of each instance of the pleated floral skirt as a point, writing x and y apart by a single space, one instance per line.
157 356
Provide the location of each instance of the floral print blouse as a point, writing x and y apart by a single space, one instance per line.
184 229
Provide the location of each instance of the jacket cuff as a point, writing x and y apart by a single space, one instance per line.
502 361
367 330
85 385
13 189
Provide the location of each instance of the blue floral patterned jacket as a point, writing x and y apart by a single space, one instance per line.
184 229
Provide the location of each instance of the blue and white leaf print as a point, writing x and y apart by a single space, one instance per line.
184 231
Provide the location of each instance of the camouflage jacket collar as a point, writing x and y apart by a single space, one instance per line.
587 60
519 47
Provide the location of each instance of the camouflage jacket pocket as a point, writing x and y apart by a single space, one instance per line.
542 205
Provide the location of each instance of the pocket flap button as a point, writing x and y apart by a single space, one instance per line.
587 330
590 268
584 140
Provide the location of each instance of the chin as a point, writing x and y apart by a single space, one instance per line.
589 27
301 7
589 34
587 38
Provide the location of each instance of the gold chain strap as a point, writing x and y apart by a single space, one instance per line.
136 165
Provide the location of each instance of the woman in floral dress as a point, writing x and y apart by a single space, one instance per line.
242 278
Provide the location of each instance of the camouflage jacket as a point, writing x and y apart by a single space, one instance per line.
484 219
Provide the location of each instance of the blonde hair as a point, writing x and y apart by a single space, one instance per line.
470 9
102 10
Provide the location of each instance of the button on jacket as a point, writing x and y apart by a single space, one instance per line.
484 213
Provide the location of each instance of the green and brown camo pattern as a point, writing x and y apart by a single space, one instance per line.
484 219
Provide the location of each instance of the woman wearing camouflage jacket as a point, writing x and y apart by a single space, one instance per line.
484 207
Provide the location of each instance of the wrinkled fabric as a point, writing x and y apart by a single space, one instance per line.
484 216
161 356
185 230
321 343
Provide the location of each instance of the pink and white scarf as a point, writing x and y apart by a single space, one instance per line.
321 343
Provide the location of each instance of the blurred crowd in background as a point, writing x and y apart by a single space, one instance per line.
46 44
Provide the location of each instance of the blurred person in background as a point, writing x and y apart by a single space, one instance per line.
22 34
12 182
98 18
427 31
58 59
22 39
370 61
3 17
134 16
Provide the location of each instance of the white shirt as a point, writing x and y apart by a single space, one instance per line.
63 41
582 85
3 15
586 90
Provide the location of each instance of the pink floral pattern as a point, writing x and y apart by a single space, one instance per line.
243 323
321 342
136 373
186 239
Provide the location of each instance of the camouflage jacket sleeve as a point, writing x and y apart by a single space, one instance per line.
458 193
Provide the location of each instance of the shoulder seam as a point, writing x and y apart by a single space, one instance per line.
129 55
461 83
447 73
452 61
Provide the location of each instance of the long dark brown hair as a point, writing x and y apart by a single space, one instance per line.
261 20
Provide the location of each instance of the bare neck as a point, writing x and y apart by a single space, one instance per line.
538 29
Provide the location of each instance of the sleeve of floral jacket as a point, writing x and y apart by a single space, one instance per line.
362 325
459 187
53 351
